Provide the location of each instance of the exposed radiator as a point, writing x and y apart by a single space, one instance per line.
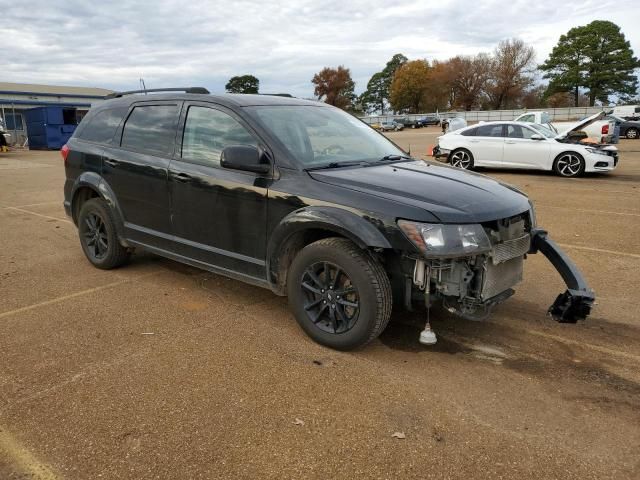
510 249
500 277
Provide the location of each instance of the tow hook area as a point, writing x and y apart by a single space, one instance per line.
576 302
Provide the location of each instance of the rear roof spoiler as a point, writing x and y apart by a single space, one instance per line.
200 90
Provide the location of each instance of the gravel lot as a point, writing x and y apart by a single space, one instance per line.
157 370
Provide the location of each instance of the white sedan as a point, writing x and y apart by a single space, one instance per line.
526 145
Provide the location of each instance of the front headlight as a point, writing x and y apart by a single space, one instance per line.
436 240
597 151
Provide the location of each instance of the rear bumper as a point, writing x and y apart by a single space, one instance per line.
576 302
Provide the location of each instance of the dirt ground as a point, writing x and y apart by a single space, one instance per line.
160 371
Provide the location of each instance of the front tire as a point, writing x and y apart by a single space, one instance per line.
340 296
461 158
98 236
569 165
632 133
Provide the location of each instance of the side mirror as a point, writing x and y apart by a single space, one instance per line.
535 136
244 157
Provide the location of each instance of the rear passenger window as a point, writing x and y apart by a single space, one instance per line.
102 126
489 131
208 131
151 128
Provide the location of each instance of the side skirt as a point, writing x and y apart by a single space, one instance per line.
259 282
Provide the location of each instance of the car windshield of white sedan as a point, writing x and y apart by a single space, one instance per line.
318 136
545 131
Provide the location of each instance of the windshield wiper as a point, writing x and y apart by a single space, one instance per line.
337 165
394 158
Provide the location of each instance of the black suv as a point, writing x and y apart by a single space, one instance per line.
306 200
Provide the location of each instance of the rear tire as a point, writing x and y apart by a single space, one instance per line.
98 235
461 158
340 296
632 133
569 165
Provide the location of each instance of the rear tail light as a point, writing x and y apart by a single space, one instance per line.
605 129
64 151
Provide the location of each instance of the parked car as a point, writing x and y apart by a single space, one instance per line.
429 120
303 199
628 128
454 123
407 122
391 125
376 125
522 145
603 130
628 112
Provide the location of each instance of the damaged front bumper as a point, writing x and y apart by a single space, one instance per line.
576 302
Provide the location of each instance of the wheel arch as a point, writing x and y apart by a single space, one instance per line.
307 225
91 185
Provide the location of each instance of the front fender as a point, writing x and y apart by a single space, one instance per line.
340 221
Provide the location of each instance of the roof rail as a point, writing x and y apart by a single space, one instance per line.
200 90
288 95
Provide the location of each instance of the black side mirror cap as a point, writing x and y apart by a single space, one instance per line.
244 157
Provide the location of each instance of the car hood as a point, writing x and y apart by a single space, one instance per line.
582 124
450 194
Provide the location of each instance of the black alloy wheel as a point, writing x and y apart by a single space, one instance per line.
98 236
339 293
332 302
95 236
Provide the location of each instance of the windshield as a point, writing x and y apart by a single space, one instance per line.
318 136
544 130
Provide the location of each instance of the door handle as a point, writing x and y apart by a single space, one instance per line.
474 141
509 142
181 177
111 163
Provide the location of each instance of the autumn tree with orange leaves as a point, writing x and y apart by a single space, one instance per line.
334 86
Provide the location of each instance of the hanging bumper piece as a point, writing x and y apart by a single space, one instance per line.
576 302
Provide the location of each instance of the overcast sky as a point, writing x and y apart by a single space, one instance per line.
112 44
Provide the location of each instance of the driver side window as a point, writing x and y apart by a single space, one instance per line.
208 131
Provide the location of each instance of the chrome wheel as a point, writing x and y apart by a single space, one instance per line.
569 165
332 302
461 159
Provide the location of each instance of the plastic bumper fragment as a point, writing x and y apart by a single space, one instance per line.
576 302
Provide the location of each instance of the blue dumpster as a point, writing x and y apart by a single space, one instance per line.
50 127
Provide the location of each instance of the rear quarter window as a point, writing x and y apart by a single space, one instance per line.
101 127
470 132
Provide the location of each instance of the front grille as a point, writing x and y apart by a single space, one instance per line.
501 277
509 249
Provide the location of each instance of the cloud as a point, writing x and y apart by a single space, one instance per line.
170 43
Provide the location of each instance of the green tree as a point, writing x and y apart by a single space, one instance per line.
374 97
596 57
410 85
243 84
335 86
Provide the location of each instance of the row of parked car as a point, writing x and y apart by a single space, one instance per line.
398 124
